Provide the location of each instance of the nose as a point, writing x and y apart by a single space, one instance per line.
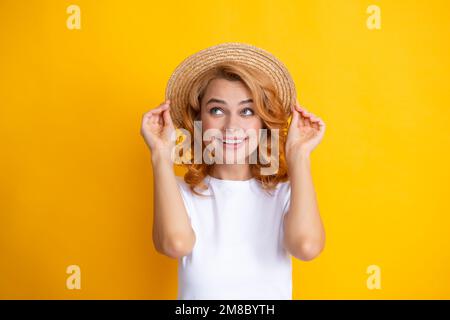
233 126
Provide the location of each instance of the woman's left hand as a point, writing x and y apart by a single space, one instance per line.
305 133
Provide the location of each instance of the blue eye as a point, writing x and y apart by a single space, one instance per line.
245 112
251 112
212 110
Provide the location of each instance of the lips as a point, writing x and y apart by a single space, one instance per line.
232 141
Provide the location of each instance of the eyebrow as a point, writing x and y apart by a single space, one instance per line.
223 102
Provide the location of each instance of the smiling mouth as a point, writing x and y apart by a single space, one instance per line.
233 142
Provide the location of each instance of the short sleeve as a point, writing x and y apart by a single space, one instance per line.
186 194
286 197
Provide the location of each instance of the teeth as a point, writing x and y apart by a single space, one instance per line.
233 141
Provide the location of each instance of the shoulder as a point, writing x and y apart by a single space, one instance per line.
284 194
179 179
185 188
280 193
284 185
283 188
182 184
280 189
186 195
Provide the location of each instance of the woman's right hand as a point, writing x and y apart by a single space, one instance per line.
157 129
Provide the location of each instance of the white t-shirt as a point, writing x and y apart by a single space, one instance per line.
238 253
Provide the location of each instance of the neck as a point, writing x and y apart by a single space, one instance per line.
231 172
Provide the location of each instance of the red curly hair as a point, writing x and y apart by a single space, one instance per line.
268 107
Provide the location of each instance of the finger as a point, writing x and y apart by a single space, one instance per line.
167 118
306 116
295 117
316 125
148 118
301 108
153 114
157 109
321 123
322 128
297 105
160 109
165 102
157 117
321 133
308 122
306 113
313 118
303 121
314 121
303 115
148 114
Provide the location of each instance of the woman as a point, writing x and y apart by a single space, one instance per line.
234 223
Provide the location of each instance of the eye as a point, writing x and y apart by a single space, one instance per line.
249 112
212 110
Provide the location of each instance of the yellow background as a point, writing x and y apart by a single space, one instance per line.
76 177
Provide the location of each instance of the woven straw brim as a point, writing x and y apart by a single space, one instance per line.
180 82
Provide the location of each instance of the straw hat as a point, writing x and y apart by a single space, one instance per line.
180 81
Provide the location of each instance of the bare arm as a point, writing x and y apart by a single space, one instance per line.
304 234
172 231
304 231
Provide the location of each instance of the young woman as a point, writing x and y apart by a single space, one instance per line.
234 224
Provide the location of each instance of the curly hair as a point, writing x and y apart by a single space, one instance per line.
268 107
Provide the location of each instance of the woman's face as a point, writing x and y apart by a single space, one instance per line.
227 107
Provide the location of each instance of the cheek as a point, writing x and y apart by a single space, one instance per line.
254 126
256 122
209 123
253 132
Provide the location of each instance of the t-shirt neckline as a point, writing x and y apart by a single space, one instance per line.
230 182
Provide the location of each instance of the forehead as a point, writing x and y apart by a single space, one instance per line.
226 90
